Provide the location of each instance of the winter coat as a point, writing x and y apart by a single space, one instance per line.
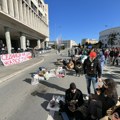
92 68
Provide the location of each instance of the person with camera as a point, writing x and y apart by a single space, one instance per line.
73 100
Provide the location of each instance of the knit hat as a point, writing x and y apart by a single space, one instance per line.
72 86
92 54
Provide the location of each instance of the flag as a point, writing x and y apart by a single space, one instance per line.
59 41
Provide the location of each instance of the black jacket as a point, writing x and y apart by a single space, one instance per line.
92 68
107 101
74 96
111 53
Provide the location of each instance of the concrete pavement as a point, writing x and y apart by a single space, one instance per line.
36 97
10 71
112 72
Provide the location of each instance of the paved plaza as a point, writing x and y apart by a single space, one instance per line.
37 97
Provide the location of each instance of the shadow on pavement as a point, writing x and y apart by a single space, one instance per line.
116 72
28 80
106 70
118 82
70 72
52 86
46 96
117 65
44 105
112 76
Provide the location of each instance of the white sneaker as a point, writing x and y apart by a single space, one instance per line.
86 97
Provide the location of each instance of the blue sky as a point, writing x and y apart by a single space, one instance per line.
78 19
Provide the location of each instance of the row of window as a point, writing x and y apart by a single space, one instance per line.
34 7
41 5
109 34
38 12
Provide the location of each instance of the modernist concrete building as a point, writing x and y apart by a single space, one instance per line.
104 37
23 23
66 43
87 40
69 43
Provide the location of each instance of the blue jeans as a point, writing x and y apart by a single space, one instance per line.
90 79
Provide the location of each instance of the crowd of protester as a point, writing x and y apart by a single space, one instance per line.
105 94
107 55
90 62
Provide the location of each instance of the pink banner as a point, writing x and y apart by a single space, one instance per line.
15 58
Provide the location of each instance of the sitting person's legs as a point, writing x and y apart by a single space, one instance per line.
78 115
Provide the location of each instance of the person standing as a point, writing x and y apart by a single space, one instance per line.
111 54
68 53
92 70
106 54
116 55
75 51
33 52
102 61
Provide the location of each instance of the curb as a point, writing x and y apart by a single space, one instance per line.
4 79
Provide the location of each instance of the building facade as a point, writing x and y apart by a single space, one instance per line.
89 41
24 23
105 37
66 43
69 43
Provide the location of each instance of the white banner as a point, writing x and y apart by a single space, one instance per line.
15 58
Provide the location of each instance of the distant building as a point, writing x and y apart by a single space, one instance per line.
66 43
104 37
24 23
89 41
69 43
51 43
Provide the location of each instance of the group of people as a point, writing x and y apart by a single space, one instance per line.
113 53
104 97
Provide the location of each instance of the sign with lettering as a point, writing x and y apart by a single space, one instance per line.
15 58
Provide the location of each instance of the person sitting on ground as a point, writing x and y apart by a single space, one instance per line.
73 100
78 68
106 97
70 65
65 62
